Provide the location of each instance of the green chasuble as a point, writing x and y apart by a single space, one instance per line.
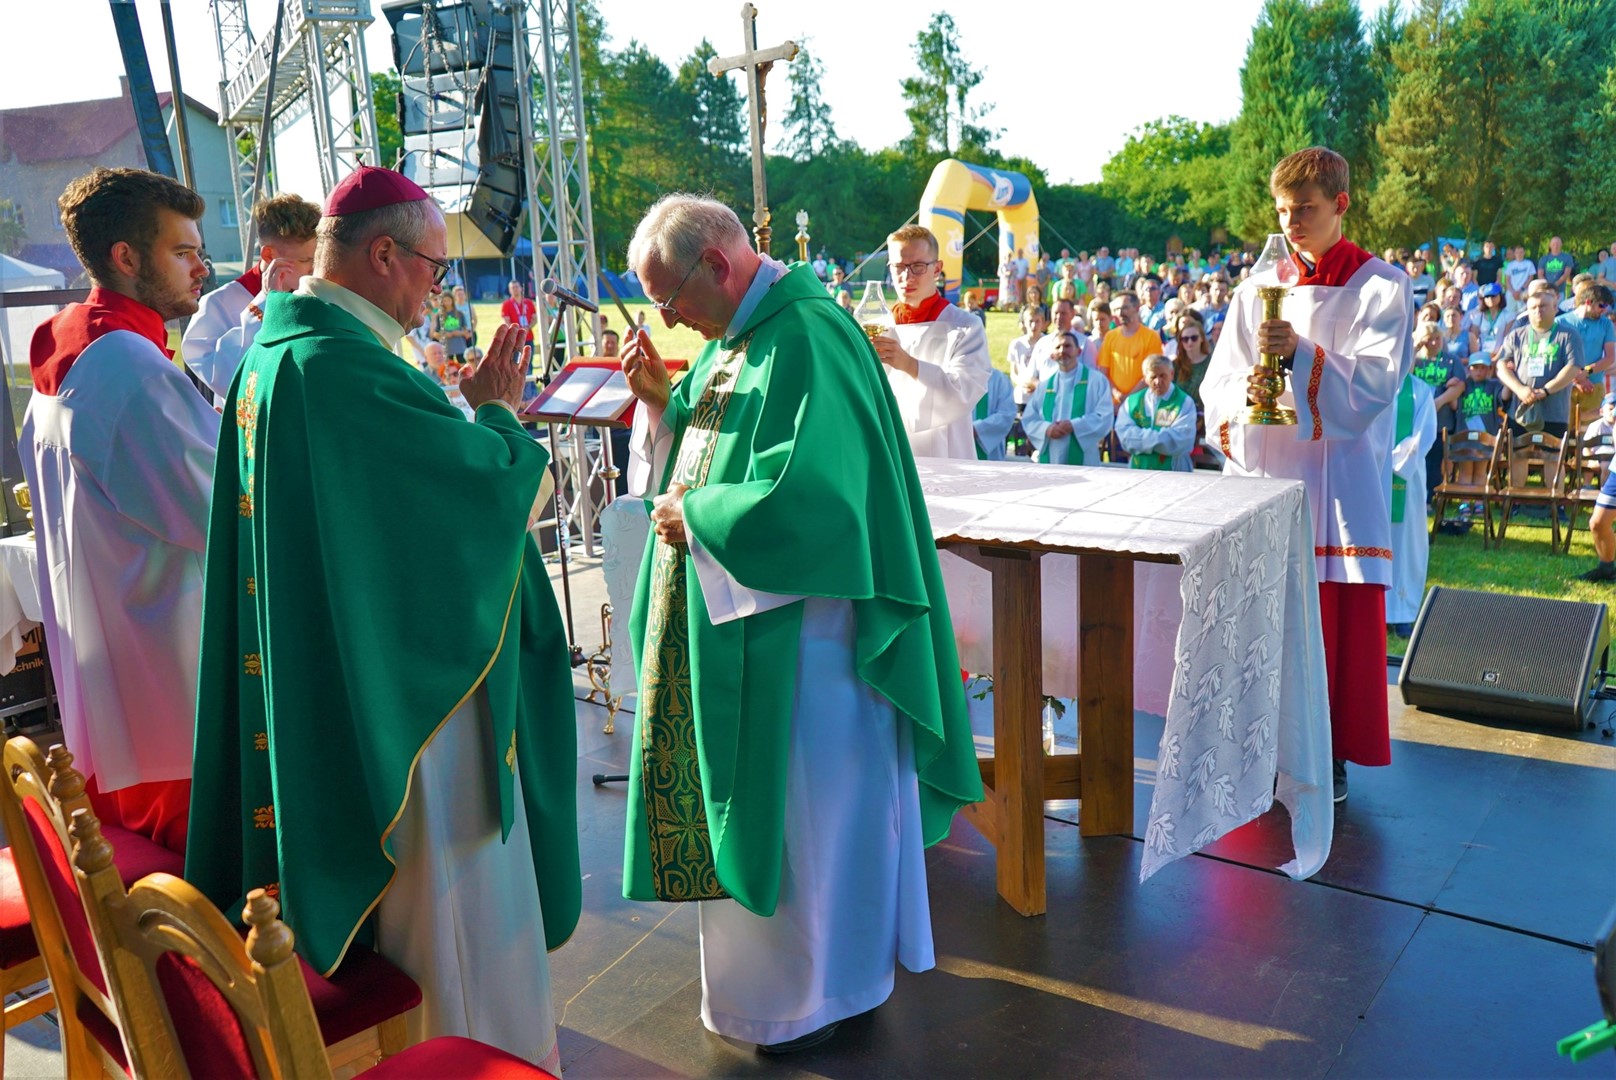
368 569
1405 428
802 483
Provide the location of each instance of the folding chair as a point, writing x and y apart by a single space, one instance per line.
1543 455
1587 468
1466 448
198 1002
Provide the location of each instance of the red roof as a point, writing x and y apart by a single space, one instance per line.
72 129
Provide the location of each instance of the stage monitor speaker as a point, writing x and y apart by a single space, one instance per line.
1513 658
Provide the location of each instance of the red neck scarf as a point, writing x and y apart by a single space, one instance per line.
925 311
1335 268
58 341
252 280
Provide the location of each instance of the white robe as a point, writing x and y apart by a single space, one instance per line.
1411 542
1177 440
1353 354
217 314
994 428
461 916
1087 430
853 900
120 466
937 404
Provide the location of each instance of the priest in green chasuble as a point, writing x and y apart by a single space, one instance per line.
802 732
385 738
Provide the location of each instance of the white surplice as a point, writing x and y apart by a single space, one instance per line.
952 375
120 467
1411 543
1353 354
853 900
462 915
1087 430
993 429
217 314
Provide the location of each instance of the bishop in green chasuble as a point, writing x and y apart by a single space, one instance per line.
369 570
801 483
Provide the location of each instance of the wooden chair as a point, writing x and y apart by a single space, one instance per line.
199 1002
1587 468
1464 448
21 965
361 1007
1543 455
35 802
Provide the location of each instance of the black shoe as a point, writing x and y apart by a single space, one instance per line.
801 1042
1601 572
1339 769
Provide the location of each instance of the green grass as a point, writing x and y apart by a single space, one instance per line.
1523 566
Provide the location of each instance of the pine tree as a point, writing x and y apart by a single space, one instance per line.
940 115
807 122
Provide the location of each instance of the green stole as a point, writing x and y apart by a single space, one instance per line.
981 414
681 847
1076 411
1136 409
1405 428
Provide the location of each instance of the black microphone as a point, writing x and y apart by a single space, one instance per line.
554 288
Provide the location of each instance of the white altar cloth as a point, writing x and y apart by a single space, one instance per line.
1240 680
19 596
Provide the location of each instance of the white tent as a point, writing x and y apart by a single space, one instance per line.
17 324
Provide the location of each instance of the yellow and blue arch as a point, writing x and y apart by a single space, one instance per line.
956 187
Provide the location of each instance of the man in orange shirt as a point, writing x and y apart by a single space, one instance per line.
1124 350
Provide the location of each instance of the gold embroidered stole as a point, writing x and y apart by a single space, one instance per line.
682 866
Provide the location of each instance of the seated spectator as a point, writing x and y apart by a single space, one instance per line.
1021 358
434 359
1157 422
1601 425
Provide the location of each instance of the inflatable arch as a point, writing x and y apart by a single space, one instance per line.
956 187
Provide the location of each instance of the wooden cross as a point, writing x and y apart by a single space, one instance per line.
755 64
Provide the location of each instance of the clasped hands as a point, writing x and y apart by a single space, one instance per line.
503 370
668 514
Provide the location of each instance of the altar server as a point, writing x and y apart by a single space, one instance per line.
1413 434
937 355
1345 340
118 449
218 335
1066 420
381 731
1156 423
802 731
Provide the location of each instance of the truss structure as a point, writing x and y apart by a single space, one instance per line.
320 70
560 220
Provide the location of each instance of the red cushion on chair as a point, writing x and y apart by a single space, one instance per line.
102 1030
17 944
450 1055
209 1033
365 990
135 857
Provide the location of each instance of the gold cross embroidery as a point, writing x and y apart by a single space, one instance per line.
510 755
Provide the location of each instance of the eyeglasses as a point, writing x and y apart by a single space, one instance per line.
914 269
665 307
440 269
1189 337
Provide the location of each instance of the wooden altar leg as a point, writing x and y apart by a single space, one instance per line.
1105 695
1017 795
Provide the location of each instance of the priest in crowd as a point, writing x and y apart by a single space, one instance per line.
377 728
118 450
1156 423
1413 435
1066 420
1345 349
994 417
222 329
936 355
802 731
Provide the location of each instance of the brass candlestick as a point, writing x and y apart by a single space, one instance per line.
1265 408
802 235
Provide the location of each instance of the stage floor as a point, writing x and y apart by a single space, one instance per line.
1448 935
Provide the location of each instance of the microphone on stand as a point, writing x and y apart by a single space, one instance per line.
553 288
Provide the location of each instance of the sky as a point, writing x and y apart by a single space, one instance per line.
1068 80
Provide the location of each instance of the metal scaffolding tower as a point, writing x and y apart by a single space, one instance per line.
320 69
550 81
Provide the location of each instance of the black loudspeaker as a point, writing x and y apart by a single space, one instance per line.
1510 658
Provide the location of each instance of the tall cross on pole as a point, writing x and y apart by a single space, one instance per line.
755 64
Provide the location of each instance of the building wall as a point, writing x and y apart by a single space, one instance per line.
210 161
